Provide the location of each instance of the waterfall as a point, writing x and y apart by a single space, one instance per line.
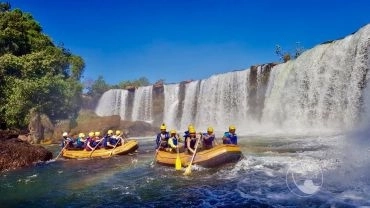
113 102
322 90
142 108
223 100
190 104
171 105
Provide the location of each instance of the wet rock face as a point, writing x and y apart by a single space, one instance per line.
15 153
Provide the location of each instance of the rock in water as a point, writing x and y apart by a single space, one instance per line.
15 153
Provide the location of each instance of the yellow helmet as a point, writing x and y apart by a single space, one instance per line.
190 127
163 127
173 131
110 131
81 135
118 132
192 131
231 127
91 134
210 129
97 133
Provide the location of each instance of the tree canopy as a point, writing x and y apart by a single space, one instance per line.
35 75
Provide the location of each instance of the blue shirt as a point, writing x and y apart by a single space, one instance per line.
232 138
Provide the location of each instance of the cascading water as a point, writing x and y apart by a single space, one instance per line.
223 100
320 89
113 102
189 106
143 103
171 104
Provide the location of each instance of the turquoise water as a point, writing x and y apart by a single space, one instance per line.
260 179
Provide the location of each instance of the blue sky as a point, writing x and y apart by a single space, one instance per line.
190 39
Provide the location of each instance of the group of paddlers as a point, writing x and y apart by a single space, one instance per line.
93 141
171 141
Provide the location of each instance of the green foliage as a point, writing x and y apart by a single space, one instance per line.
35 75
285 55
142 81
98 87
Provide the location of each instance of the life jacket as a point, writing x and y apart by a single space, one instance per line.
80 143
174 141
193 141
105 140
112 140
67 141
209 141
233 139
162 139
186 136
92 143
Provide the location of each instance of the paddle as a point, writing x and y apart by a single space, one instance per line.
178 160
61 151
120 138
188 169
156 152
95 147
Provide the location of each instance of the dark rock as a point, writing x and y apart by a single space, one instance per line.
8 134
138 128
15 153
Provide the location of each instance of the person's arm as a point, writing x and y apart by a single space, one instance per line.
225 138
188 144
89 145
170 142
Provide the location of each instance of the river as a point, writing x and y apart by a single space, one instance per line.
290 171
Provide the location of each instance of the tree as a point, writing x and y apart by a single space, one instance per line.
35 75
286 56
98 87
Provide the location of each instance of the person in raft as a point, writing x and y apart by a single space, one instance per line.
174 141
108 140
118 137
230 136
93 141
186 133
209 139
67 141
162 138
192 140
81 141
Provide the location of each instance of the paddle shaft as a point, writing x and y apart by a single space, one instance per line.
195 151
188 169
156 151
178 160
96 147
61 151
120 138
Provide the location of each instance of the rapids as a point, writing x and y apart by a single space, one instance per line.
263 178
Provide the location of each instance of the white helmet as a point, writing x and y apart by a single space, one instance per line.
65 134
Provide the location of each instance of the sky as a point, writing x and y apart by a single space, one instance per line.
189 39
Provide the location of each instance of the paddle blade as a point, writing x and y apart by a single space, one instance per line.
188 170
178 163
